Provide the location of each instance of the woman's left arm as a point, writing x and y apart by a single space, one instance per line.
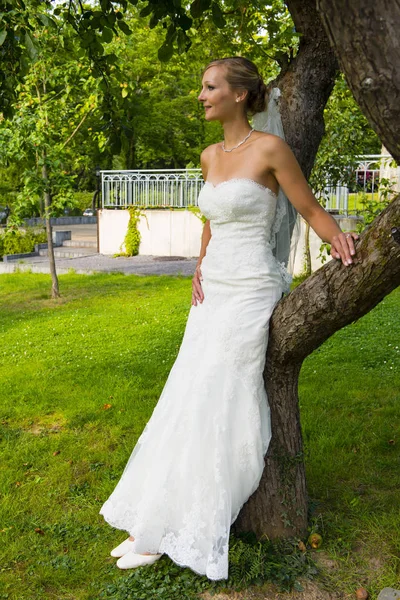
289 175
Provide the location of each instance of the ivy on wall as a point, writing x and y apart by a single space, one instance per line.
132 237
197 213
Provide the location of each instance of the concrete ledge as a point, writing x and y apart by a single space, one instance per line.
11 257
62 221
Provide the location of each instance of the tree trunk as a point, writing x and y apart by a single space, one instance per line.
306 84
279 506
365 36
307 251
55 292
330 299
335 295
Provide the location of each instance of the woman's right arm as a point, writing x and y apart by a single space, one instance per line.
197 290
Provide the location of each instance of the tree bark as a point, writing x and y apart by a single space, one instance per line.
307 251
335 295
55 292
330 299
306 85
279 506
365 36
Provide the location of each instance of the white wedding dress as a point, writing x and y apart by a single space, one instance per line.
201 454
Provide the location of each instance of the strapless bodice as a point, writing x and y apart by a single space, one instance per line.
239 203
241 213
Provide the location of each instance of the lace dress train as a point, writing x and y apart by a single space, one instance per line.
201 454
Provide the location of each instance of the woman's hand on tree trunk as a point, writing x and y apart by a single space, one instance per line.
342 247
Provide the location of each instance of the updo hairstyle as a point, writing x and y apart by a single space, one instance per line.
242 73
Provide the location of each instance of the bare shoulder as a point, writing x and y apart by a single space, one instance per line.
275 151
206 158
208 152
270 143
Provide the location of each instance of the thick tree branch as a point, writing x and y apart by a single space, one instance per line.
335 295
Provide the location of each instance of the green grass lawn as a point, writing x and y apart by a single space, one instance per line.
79 379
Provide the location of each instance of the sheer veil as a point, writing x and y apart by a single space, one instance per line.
286 226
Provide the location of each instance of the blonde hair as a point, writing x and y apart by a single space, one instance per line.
242 73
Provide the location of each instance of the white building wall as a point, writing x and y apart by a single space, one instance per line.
163 232
178 233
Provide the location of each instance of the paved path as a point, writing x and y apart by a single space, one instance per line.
138 265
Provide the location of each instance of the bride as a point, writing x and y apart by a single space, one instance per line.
201 454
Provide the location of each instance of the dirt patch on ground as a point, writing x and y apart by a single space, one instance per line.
52 423
311 591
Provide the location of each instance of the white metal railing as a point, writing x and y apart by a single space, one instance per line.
347 199
177 188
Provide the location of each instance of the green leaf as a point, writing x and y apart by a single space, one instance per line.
165 52
146 11
185 22
198 7
183 42
3 35
124 27
111 58
153 21
30 46
106 35
171 34
124 92
217 16
47 22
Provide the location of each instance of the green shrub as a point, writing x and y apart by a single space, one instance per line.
18 241
83 200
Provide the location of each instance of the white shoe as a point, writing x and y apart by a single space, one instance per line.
132 560
123 548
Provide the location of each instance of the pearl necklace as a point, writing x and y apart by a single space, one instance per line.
239 144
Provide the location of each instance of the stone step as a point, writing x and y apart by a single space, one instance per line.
76 252
80 243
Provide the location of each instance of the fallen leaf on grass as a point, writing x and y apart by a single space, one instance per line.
315 540
56 452
302 546
107 406
38 530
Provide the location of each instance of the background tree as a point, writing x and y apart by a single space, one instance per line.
44 130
